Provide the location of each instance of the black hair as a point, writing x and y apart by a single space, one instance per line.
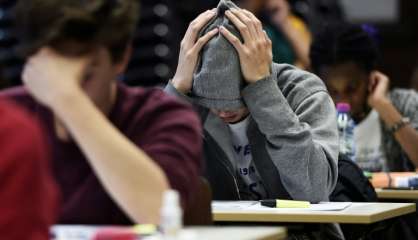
86 23
343 43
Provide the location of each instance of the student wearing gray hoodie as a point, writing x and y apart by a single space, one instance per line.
270 129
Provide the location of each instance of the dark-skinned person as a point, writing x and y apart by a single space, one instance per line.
345 56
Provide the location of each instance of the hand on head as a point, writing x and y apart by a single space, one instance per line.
49 75
255 53
378 89
190 49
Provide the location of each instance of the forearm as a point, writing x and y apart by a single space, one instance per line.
128 174
380 180
407 136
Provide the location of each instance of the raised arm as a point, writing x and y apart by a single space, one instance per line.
131 177
407 135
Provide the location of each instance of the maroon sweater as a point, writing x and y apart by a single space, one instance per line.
168 131
28 194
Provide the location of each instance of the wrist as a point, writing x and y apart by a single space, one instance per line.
399 124
66 99
180 86
258 77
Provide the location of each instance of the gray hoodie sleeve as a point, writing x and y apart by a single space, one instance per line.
301 131
170 89
201 111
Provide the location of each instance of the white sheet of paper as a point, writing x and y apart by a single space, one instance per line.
254 205
232 205
322 206
73 232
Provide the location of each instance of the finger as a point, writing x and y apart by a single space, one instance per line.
247 21
379 87
205 39
203 19
196 26
232 39
27 71
269 42
382 81
257 23
382 77
269 45
242 28
266 36
372 82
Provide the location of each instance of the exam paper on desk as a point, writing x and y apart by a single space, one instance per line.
255 205
72 232
232 205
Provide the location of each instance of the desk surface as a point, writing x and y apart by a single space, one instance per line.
360 213
85 232
397 194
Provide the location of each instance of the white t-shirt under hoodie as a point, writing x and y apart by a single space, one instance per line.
244 162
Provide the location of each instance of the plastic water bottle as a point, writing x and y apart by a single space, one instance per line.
171 215
346 127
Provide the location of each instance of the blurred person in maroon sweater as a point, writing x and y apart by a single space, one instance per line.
28 194
115 149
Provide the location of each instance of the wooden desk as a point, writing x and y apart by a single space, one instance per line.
397 194
357 213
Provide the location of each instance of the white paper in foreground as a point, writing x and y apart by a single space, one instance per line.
254 205
232 205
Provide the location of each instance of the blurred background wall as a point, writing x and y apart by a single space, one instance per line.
163 23
397 23
399 44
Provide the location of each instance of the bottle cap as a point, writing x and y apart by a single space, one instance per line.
343 107
170 198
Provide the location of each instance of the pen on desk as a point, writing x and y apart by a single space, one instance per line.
277 203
